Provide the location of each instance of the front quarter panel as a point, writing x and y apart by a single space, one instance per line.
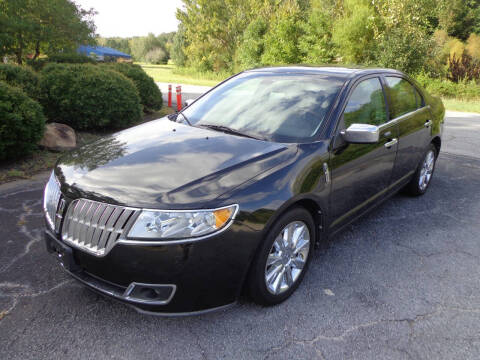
264 198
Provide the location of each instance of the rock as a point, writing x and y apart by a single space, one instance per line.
58 137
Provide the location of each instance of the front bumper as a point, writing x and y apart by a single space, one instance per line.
191 278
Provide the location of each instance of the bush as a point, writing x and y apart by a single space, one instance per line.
89 97
70 58
462 68
21 122
20 76
156 56
150 94
467 90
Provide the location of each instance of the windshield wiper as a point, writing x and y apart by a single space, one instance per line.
228 130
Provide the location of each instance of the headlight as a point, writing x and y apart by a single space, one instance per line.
163 224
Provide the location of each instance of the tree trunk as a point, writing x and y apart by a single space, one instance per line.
19 50
18 53
37 50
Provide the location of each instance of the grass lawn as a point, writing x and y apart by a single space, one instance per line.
173 75
462 105
42 159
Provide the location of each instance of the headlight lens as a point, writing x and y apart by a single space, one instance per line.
161 224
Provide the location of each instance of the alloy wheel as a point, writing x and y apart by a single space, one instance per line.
287 257
426 170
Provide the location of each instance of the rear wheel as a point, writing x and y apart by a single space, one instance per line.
283 258
420 181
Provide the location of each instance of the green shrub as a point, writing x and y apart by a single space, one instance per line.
89 97
156 56
21 122
70 58
445 88
20 76
150 94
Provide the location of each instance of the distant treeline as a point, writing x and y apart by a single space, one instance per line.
411 35
152 49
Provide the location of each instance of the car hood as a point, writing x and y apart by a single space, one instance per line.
162 164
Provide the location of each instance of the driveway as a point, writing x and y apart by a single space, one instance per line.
401 283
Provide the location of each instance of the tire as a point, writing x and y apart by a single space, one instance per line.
421 180
297 221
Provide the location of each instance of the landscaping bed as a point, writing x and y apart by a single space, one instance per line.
51 102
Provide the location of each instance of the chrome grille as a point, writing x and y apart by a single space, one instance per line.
51 197
94 226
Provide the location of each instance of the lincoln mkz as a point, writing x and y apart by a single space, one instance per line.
229 196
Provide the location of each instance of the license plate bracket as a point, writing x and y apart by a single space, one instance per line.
62 252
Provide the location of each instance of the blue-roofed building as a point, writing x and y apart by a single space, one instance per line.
102 52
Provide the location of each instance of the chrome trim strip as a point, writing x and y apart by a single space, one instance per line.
182 314
404 116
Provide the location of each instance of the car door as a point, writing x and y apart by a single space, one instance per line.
360 173
408 110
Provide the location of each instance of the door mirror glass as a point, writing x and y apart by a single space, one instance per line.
361 134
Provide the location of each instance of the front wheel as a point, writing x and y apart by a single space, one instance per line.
420 181
283 257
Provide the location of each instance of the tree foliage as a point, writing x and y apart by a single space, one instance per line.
43 26
410 35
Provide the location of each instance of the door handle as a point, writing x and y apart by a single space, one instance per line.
391 143
428 123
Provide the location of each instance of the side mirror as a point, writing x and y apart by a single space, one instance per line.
189 102
361 134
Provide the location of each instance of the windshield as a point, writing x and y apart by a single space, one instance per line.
276 107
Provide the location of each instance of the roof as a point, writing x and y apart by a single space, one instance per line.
101 51
338 71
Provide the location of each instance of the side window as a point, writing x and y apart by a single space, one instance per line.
366 104
403 95
419 98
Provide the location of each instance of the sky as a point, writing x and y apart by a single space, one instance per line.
133 18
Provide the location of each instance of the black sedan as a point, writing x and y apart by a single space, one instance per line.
231 195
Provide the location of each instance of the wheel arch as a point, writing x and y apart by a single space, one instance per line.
437 142
318 216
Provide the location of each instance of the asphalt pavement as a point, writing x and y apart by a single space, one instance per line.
403 282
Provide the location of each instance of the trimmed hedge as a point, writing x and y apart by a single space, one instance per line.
61 58
89 97
467 90
22 122
70 58
20 76
150 94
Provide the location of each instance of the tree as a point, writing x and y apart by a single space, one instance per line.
281 40
252 46
354 31
316 42
459 18
49 26
177 53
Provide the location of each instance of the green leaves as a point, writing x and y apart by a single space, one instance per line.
21 122
89 97
47 26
